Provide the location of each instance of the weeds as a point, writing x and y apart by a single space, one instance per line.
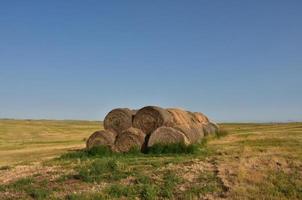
21 183
170 181
140 179
208 183
37 193
144 191
88 196
178 148
101 169
118 191
284 185
100 151
31 188
149 192
158 149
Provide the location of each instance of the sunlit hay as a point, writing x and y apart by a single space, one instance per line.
119 119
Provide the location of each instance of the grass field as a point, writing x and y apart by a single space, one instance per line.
28 140
38 160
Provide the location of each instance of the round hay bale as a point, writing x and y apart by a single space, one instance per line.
101 138
129 139
200 117
119 119
185 122
167 135
180 117
210 128
194 133
149 118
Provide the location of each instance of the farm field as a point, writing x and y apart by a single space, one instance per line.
32 140
42 159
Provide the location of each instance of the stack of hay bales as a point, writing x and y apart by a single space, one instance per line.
127 129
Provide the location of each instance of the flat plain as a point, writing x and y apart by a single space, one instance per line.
42 159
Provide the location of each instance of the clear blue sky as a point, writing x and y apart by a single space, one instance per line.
233 60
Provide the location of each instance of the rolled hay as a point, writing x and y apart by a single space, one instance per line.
210 128
101 138
119 119
167 135
200 117
149 118
185 122
180 117
194 132
130 139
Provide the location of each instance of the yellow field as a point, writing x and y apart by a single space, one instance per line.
27 140
254 161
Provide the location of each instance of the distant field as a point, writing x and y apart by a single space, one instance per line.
253 161
28 140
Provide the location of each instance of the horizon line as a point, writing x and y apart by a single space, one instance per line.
93 120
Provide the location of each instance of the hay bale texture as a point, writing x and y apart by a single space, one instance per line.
210 128
194 133
101 138
186 122
149 118
167 135
200 117
119 119
130 139
180 117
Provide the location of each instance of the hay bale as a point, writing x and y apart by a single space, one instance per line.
130 138
101 138
185 122
149 118
194 133
210 128
119 119
167 135
180 117
200 118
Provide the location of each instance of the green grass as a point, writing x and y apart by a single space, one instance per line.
30 187
158 149
118 191
38 193
85 196
96 152
143 191
170 182
173 149
101 169
284 185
